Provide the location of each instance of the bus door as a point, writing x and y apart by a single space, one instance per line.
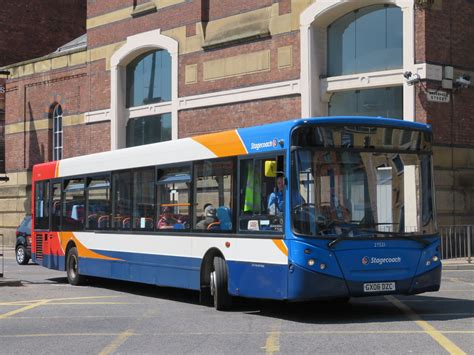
41 223
51 243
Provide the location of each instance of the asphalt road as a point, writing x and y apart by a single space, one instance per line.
46 315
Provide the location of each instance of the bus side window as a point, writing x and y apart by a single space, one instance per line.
98 203
56 206
122 200
42 205
214 186
74 205
173 198
262 192
143 199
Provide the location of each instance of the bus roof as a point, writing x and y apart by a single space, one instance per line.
241 141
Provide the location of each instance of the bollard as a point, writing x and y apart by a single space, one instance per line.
469 244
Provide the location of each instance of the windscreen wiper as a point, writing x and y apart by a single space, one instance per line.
341 237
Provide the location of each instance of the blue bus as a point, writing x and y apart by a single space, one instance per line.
308 209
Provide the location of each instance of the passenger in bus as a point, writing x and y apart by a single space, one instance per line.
167 220
210 218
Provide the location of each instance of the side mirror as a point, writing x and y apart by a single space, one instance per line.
270 168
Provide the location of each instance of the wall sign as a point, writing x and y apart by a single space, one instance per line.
438 96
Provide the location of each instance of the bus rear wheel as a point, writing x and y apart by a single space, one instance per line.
219 280
72 267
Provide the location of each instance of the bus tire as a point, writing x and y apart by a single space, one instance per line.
219 279
72 267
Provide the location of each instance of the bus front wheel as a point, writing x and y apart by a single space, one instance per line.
72 267
219 278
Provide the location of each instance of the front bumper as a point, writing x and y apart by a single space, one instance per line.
304 284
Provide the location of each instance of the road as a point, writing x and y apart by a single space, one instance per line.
46 315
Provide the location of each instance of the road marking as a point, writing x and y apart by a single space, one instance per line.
86 303
272 345
39 335
37 303
447 344
309 332
115 344
23 309
122 337
56 299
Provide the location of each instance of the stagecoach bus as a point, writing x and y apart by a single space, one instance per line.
318 208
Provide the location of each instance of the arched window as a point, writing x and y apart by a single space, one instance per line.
57 132
148 129
368 39
149 79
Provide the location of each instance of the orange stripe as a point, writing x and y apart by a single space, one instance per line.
281 245
222 144
56 171
81 249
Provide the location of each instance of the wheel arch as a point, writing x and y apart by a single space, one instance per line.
70 244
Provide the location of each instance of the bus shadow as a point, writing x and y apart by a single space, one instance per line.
357 310
366 310
139 289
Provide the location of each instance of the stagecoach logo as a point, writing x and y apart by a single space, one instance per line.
269 144
380 261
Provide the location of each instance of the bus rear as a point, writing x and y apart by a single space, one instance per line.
362 215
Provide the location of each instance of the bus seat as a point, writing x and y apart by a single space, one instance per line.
103 222
126 223
178 226
225 218
214 226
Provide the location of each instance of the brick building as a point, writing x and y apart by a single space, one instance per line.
30 29
151 70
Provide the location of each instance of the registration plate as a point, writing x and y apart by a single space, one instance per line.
379 287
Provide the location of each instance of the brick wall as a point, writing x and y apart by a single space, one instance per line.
218 118
273 75
30 100
223 8
445 36
100 7
33 28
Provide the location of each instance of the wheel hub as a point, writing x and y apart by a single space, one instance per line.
20 255
213 283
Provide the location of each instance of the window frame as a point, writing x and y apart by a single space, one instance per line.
86 189
58 145
113 199
46 187
260 156
234 195
63 199
190 165
129 78
132 195
51 221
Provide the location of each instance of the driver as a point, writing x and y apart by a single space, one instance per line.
275 200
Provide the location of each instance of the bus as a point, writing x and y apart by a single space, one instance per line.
301 210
